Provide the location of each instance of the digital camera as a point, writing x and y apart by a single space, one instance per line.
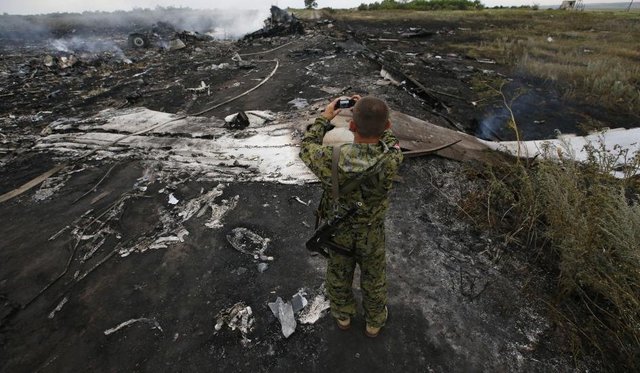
345 103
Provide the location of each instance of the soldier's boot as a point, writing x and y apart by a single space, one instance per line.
344 324
373 331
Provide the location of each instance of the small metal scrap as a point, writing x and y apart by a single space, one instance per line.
297 199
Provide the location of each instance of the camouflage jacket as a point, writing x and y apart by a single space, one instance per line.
354 159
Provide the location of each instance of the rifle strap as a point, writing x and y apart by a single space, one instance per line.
335 186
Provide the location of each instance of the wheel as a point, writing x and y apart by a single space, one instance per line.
138 41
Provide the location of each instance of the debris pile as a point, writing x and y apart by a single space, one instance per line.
316 310
165 35
280 23
250 243
237 317
307 313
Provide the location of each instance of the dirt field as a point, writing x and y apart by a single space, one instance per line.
460 300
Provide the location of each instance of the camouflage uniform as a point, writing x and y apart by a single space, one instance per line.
363 233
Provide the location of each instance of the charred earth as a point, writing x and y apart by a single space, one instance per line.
128 260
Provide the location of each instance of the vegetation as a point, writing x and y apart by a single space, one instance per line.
423 5
592 57
310 4
584 224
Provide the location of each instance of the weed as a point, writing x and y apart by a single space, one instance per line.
587 224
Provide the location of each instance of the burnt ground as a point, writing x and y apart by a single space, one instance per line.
460 300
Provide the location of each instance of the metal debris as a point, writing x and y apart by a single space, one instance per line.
239 120
255 118
280 23
203 88
248 242
332 90
153 322
297 199
161 242
262 267
168 230
173 200
387 76
284 312
298 301
219 211
60 232
176 44
52 314
315 311
198 206
213 152
237 317
299 103
50 186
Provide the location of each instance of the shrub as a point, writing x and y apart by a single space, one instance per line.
587 224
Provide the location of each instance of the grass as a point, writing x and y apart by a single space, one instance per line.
593 57
585 224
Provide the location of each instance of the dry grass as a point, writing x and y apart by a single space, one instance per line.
585 225
592 56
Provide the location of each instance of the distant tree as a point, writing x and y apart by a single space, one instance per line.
310 4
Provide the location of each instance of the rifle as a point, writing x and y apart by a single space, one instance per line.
321 242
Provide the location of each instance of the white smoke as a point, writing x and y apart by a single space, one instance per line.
87 46
230 24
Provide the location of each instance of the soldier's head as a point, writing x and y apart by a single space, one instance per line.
370 118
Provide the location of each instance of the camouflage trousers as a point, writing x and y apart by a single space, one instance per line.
367 245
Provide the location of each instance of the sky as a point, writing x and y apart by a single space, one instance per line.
48 6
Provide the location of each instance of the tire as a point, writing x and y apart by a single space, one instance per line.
138 41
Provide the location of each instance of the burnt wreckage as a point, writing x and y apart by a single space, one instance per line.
178 235
280 23
163 34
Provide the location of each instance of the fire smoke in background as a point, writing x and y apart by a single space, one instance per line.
231 24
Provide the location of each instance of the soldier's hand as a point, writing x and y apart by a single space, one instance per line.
330 111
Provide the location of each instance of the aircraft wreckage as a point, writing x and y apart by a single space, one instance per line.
179 236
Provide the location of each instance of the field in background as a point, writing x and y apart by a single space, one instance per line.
593 57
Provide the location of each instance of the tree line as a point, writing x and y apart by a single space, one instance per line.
423 5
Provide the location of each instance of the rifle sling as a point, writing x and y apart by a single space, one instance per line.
354 182
335 186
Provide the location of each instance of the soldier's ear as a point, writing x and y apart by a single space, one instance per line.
388 125
352 126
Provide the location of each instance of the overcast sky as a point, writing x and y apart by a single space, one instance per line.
48 6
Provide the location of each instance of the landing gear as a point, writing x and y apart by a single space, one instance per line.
137 40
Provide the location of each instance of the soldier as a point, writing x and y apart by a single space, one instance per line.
373 159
